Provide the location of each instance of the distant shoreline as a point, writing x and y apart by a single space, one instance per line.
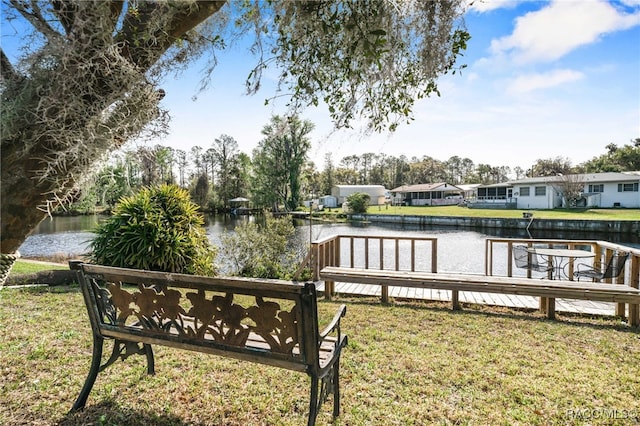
573 225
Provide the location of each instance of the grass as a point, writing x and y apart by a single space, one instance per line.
406 364
29 267
581 214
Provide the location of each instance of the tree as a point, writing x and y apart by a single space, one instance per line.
110 185
519 171
224 152
181 162
261 250
200 193
196 155
552 167
89 80
240 171
280 157
617 159
571 187
358 202
426 170
327 179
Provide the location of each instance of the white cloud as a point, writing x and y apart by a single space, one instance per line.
530 82
482 6
553 31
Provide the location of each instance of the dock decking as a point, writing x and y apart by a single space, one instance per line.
491 299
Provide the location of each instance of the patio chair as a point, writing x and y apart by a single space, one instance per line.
526 258
614 267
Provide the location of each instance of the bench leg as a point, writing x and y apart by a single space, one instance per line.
336 389
151 365
320 391
385 294
93 374
314 401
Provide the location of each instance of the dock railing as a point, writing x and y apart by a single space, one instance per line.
373 252
497 248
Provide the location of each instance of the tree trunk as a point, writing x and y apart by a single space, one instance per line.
21 196
33 149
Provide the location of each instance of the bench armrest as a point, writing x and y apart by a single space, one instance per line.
335 322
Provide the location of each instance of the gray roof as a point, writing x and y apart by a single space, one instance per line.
425 187
585 177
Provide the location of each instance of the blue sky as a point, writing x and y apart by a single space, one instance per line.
544 80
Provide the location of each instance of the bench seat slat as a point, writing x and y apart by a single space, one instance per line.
488 284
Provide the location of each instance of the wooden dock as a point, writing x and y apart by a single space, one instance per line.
490 299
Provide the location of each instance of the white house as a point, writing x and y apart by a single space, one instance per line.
596 190
376 192
605 190
428 194
329 201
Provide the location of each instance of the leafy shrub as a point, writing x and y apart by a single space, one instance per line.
261 251
358 202
158 229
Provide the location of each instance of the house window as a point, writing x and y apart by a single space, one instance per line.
598 187
628 187
524 191
540 190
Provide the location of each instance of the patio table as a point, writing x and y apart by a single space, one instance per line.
560 259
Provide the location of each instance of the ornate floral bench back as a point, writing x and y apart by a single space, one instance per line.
268 321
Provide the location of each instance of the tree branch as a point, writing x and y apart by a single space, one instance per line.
7 71
65 11
144 42
31 12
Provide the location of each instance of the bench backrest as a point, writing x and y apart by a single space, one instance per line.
270 321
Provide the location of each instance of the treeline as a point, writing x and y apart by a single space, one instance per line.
277 173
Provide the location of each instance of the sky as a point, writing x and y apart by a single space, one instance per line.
543 80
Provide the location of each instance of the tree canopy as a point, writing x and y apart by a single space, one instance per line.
90 73
617 159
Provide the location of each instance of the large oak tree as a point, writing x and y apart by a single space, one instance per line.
90 72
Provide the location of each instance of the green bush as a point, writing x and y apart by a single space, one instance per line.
261 251
158 229
358 202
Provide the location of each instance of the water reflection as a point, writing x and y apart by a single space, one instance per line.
461 248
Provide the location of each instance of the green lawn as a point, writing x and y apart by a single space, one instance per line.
28 267
582 214
406 364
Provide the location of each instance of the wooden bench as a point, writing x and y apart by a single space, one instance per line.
264 321
548 290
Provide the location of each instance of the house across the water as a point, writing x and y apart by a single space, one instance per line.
428 194
607 190
376 193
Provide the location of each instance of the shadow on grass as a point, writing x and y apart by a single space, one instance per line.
109 412
593 321
43 288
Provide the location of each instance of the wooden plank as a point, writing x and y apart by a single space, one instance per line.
547 290
495 299
488 284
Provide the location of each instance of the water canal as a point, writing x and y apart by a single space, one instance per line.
459 249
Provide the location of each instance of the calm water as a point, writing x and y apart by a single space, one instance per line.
458 249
